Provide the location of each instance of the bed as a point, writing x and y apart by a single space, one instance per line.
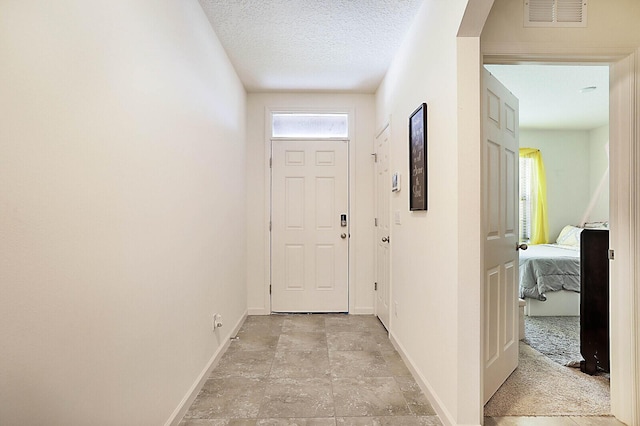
549 267
550 276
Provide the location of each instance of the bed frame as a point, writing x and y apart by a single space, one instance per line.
558 304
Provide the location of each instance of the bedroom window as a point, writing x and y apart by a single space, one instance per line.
525 199
534 225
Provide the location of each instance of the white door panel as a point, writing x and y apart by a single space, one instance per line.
309 247
500 219
383 189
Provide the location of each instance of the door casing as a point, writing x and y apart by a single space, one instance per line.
624 233
353 200
623 296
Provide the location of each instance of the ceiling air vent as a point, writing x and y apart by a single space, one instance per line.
555 13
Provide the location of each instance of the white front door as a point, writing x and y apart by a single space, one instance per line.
500 233
310 226
383 189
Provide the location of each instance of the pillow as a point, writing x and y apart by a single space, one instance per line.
596 225
569 236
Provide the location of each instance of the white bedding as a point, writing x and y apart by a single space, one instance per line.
549 267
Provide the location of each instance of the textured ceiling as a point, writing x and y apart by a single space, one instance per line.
550 96
328 45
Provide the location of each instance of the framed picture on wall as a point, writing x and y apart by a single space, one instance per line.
418 159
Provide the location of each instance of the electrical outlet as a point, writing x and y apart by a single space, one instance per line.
216 321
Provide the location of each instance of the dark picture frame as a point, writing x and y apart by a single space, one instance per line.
418 159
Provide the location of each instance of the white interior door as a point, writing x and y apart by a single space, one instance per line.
309 241
383 189
500 233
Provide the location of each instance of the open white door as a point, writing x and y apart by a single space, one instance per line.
383 189
500 233
310 226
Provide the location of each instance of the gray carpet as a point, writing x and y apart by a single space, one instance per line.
541 387
556 337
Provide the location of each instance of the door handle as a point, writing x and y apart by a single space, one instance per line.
522 246
386 239
343 235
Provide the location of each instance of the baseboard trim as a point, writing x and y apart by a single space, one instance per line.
193 391
258 311
436 403
361 311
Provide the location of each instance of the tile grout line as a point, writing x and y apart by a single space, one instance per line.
333 396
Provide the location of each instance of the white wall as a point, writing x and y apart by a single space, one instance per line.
598 173
609 28
122 155
424 246
361 264
566 157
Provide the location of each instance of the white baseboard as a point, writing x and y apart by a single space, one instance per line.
354 311
436 403
361 311
193 391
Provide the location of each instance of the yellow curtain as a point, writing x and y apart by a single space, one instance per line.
540 225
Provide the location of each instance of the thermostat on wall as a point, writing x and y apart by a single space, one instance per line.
395 182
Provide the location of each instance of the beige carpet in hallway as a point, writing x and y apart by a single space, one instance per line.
540 387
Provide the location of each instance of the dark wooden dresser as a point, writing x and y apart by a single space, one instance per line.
594 300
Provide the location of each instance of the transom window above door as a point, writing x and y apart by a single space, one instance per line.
309 125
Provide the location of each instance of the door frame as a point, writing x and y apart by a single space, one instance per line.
623 294
624 126
352 194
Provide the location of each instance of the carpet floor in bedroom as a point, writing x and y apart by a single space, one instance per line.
556 337
542 385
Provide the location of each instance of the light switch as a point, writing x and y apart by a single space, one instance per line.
396 217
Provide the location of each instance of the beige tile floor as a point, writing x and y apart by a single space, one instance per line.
321 370
311 370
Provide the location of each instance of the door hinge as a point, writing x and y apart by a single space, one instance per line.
269 288
375 157
612 254
269 225
375 286
375 221
270 162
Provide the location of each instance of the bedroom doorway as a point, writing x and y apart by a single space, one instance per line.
574 146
